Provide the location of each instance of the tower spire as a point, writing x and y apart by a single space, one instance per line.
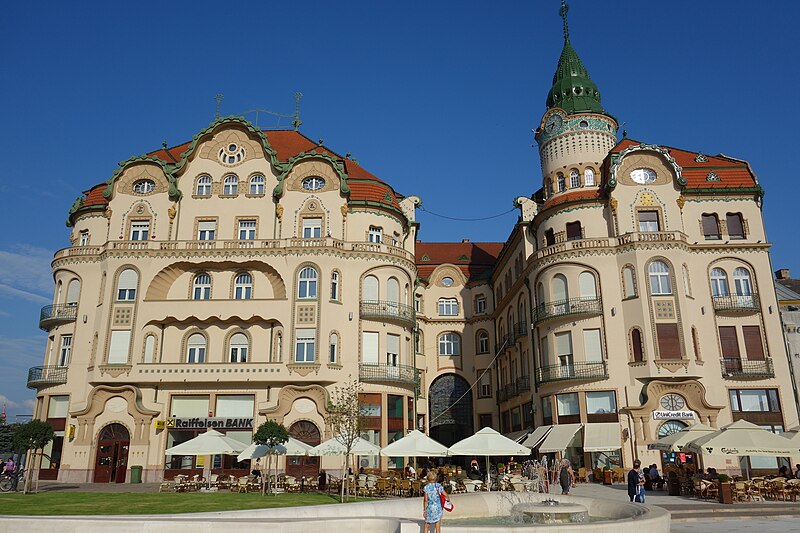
563 12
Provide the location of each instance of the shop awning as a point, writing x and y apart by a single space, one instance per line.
538 435
601 437
516 436
559 438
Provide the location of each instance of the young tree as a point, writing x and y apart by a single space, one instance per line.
34 436
346 421
270 434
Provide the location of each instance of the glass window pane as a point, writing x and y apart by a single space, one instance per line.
568 404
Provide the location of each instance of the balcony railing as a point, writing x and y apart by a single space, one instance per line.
382 310
521 329
573 306
744 368
573 372
43 376
735 302
388 374
523 384
52 315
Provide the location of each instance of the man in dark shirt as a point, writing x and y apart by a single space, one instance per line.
636 482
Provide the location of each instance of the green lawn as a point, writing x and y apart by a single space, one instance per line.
98 503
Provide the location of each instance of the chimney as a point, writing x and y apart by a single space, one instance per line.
782 274
464 241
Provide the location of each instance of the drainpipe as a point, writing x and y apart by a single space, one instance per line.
531 310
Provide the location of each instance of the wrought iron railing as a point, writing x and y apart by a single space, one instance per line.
523 384
737 302
521 329
384 310
572 372
747 368
388 374
573 306
57 314
42 376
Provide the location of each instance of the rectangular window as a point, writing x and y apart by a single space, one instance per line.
630 286
417 303
335 286
549 237
140 230
564 348
84 239
568 404
58 407
485 386
574 231
66 348
592 345
235 406
448 307
710 227
648 221
247 230
392 350
485 420
516 419
206 230
547 410
375 234
601 402
480 305
189 406
669 344
312 228
369 347
755 400
753 344
305 340
728 342
483 343
118 347
735 225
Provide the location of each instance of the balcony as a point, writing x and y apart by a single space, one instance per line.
735 303
571 307
45 376
54 315
523 384
388 312
745 369
521 329
573 372
406 375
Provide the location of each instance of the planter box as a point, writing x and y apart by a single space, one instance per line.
608 477
725 492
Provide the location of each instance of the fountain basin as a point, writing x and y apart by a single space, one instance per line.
549 512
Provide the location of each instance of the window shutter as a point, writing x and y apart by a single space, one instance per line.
636 340
369 348
753 344
735 226
592 346
669 345
729 342
118 347
710 227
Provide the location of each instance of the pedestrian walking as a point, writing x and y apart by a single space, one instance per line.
636 482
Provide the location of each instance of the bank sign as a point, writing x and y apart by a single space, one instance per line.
673 415
205 422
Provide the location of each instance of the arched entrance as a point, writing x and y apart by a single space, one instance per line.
451 414
301 465
112 454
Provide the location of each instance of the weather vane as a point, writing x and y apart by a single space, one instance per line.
563 12
219 97
296 122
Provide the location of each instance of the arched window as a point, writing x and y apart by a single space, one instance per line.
636 345
562 183
126 285
710 225
370 289
588 177
629 282
574 179
741 281
278 348
149 348
549 187
659 278
307 284
333 351
393 291
719 282
230 187
73 292
449 344
243 287
202 287
560 292
204 186
483 342
196 349
238 348
687 287
669 427
588 287
448 307
335 285
257 185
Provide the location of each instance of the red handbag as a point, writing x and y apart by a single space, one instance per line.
447 505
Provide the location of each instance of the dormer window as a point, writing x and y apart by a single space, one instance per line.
231 154
144 186
314 183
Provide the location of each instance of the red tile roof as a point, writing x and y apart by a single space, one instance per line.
94 196
573 196
472 258
733 173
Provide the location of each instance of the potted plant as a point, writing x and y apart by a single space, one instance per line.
608 476
725 493
501 467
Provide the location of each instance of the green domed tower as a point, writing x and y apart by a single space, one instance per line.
575 133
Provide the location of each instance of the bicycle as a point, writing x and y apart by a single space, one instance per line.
10 482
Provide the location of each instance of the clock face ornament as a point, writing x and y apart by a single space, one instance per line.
643 175
553 123
672 402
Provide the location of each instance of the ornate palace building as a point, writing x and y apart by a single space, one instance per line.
243 275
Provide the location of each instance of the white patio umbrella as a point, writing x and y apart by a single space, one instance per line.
488 442
679 439
415 444
211 442
334 447
290 447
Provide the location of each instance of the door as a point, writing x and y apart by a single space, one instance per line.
112 454
300 465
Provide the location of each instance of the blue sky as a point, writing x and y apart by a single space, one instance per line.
436 98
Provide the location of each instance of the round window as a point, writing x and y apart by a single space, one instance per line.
232 154
643 175
313 183
144 186
447 281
